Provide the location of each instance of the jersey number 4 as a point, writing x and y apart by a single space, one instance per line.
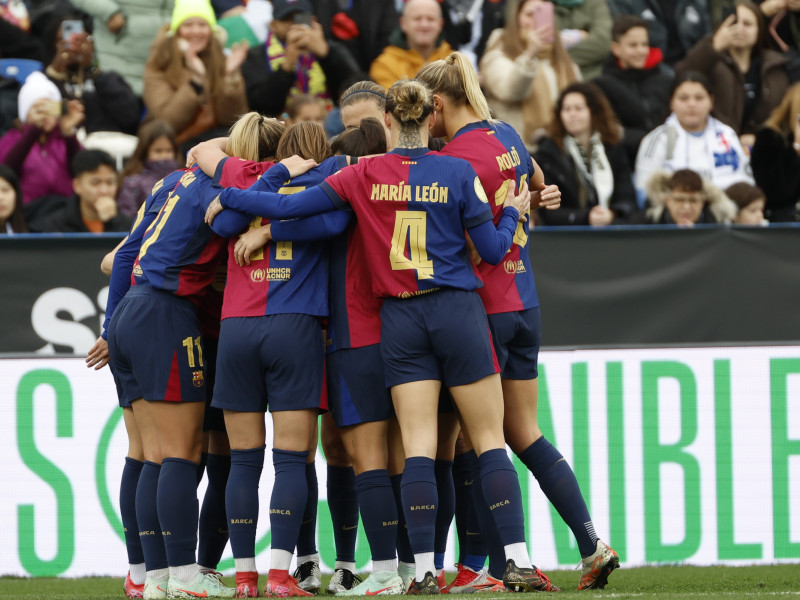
410 231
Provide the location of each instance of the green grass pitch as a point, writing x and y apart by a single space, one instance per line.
678 582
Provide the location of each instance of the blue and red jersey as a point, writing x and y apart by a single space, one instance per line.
498 156
354 319
179 252
413 207
125 258
284 276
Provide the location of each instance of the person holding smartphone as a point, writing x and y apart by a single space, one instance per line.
525 67
295 59
42 146
109 102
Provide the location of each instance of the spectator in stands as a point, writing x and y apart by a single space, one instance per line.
524 69
585 30
584 159
123 33
41 148
747 79
108 101
783 18
685 199
363 27
188 81
16 42
635 81
92 207
468 24
691 137
305 108
674 26
417 42
12 219
154 158
776 158
750 202
296 59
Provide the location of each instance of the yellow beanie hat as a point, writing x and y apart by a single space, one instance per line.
186 9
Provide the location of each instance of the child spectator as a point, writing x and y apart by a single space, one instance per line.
635 81
12 219
750 201
305 108
154 158
692 138
92 207
41 148
674 26
583 157
747 79
776 158
524 69
685 199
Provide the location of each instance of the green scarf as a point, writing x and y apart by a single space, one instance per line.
568 3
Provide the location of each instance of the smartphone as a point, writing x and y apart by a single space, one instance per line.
70 27
56 107
302 18
544 16
727 11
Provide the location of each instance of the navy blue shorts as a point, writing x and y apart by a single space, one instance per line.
443 335
516 337
357 387
275 361
156 349
213 419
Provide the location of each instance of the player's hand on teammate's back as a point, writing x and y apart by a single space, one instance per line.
297 165
251 241
215 144
547 196
98 355
213 210
521 201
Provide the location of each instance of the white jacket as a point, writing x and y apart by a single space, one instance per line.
715 154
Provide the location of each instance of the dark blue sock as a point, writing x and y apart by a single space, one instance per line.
378 512
213 530
420 501
343 504
461 483
307 539
155 556
475 550
494 545
201 468
241 500
178 510
446 510
127 508
404 552
559 484
500 485
289 497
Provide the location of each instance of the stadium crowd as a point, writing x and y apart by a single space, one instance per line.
144 81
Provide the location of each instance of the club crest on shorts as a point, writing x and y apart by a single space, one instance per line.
198 379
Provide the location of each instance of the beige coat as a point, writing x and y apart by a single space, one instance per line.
176 101
509 84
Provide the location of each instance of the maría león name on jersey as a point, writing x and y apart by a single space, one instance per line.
403 192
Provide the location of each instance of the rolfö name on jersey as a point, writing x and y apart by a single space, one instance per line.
403 192
508 160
